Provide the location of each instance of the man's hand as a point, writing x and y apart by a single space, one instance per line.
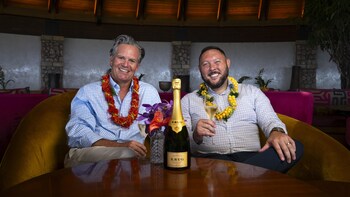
283 144
204 127
137 147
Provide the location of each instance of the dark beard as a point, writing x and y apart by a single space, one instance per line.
219 83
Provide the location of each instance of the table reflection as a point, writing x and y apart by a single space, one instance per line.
137 177
117 174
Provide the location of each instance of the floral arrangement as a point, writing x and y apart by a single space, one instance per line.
156 115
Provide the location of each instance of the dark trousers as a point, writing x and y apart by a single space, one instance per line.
268 159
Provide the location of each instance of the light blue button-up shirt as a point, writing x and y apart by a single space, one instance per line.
90 120
241 131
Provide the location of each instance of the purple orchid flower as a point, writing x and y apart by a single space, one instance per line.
165 107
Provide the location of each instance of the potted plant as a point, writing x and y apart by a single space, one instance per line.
263 85
261 82
3 82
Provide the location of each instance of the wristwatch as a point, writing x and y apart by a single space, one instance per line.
279 129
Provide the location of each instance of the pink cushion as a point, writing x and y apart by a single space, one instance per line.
298 105
13 108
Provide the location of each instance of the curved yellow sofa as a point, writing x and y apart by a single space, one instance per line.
40 143
324 158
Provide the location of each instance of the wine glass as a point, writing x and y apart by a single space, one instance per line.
210 108
142 128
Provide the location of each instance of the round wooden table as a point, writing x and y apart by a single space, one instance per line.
134 177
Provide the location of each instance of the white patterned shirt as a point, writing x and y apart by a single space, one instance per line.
90 120
241 131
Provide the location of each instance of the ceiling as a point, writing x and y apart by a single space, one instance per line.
161 12
157 20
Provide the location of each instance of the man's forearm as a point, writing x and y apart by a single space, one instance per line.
106 143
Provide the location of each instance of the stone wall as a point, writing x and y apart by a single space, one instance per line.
180 62
307 62
51 61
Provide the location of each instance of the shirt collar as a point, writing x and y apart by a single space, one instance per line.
116 86
212 92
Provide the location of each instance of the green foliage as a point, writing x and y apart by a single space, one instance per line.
329 25
329 22
258 79
4 83
240 80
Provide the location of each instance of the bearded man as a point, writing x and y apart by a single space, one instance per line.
241 110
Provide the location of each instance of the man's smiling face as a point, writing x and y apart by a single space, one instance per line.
214 68
124 63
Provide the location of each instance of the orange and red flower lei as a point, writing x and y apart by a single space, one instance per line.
134 105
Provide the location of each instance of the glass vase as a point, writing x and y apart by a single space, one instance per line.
156 147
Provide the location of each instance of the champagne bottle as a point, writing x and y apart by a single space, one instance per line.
177 143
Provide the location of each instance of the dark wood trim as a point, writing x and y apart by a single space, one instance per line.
263 9
49 2
53 5
98 5
140 9
95 7
218 13
302 9
181 10
222 9
74 29
56 5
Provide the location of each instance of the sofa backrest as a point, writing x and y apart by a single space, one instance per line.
298 105
324 158
13 108
39 144
330 96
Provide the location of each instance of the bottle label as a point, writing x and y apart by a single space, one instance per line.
177 125
177 159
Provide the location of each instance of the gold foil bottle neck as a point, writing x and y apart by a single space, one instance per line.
176 84
177 120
